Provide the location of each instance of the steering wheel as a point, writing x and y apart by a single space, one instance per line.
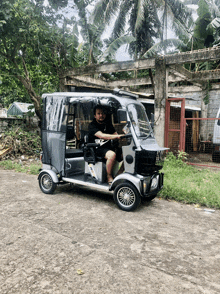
127 136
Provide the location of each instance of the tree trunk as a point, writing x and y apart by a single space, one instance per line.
26 82
34 97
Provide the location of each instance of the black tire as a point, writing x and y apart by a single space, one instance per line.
46 183
127 197
148 199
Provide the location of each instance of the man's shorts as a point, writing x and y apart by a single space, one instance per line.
101 151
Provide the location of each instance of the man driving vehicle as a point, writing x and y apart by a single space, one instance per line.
102 129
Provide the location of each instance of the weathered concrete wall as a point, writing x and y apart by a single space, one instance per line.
214 103
194 98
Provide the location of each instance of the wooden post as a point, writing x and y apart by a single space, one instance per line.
161 93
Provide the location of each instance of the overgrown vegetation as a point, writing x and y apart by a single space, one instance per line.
24 146
21 141
187 184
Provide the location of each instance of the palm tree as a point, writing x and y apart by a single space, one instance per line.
92 33
214 8
145 20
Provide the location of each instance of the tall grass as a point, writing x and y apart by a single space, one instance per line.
190 185
31 169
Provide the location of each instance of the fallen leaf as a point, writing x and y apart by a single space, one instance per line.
80 272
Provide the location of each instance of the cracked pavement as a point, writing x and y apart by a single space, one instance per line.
78 241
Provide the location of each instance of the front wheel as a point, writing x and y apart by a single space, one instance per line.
46 183
127 197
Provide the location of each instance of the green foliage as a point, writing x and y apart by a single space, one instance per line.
58 3
11 90
8 164
34 168
141 19
91 33
214 8
114 45
203 35
162 46
172 160
187 184
33 49
181 155
37 43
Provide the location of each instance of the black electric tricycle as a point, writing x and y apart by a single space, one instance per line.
68 157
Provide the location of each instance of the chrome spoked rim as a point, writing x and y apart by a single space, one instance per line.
46 182
126 197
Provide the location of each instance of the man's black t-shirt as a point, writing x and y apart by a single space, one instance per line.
106 128
94 127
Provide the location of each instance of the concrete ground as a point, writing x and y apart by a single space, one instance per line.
76 241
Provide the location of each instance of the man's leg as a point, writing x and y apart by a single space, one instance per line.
119 157
110 157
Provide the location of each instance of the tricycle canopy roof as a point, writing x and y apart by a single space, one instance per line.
105 99
56 106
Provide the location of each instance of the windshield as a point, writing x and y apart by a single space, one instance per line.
139 120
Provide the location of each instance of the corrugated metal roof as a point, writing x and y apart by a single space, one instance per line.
19 108
187 106
23 107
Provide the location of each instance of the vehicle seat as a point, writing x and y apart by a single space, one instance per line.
70 134
73 153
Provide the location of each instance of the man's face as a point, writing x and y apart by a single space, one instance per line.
100 115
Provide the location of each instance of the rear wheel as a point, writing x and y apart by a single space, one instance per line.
46 183
127 197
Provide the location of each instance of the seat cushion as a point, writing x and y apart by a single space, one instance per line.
72 153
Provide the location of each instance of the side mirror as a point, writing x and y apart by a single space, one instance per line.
122 116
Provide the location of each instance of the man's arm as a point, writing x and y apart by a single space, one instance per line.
103 136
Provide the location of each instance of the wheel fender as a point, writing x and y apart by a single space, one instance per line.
51 173
125 177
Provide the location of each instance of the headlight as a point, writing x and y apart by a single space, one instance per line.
144 187
154 183
146 184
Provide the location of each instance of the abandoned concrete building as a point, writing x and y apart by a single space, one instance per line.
175 90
